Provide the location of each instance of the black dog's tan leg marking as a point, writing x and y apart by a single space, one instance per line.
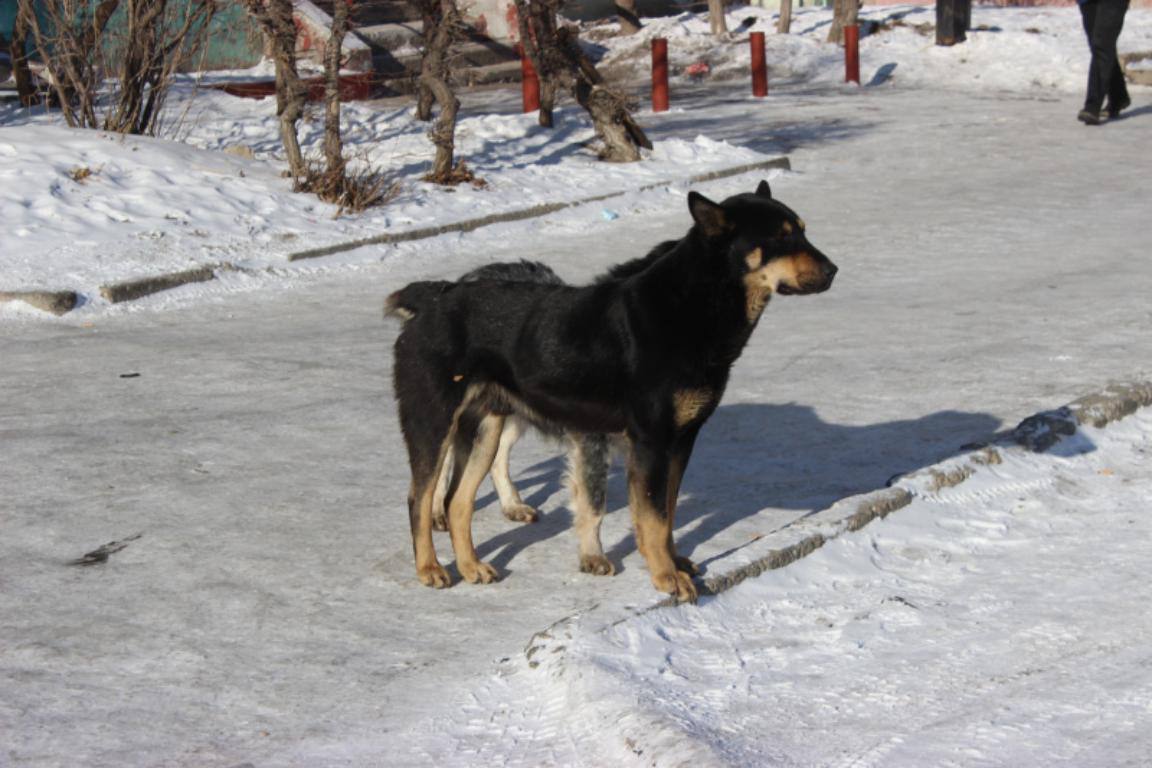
689 404
587 478
428 568
676 467
475 449
427 444
649 479
510 502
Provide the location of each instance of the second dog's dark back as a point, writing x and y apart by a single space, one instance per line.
522 271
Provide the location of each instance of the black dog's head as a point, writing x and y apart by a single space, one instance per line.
764 241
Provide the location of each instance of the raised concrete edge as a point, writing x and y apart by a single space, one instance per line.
1038 433
61 302
145 286
56 302
469 225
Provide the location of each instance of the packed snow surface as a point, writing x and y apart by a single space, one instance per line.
995 623
237 440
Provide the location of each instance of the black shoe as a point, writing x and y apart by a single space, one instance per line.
1088 117
1114 108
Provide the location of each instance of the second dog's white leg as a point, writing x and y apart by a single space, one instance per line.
587 480
510 501
439 511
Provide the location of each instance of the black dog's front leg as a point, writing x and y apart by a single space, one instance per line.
654 472
678 463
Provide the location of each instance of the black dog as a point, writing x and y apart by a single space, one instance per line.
647 356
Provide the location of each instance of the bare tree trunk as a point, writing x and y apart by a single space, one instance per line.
434 79
844 14
25 88
430 22
275 19
333 143
536 22
716 20
561 63
784 24
629 19
621 134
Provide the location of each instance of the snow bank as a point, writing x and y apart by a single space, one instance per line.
84 208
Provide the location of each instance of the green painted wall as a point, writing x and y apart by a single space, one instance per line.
234 42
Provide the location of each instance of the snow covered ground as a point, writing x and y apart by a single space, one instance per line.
993 264
85 208
1002 622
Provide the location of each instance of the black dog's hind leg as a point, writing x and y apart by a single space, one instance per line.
427 448
476 438
587 481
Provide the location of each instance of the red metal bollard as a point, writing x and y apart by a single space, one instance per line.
529 82
759 66
852 54
659 75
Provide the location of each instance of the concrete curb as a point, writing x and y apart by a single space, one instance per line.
469 225
62 302
56 302
135 289
1037 433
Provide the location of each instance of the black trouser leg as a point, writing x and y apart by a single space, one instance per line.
1103 20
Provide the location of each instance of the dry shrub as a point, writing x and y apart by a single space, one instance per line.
112 63
80 174
351 191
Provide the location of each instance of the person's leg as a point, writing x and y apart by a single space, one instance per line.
1094 98
1108 22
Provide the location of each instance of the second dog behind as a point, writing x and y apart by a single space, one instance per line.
588 454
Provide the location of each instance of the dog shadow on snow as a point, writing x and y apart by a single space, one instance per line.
748 458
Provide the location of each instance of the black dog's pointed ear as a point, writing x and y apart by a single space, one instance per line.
764 190
709 216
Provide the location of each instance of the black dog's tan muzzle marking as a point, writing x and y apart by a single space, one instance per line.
796 273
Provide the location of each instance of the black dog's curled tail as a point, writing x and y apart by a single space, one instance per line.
410 300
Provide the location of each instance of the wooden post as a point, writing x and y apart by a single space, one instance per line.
759 65
659 74
852 54
529 82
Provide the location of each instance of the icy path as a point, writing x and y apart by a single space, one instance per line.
269 614
1004 622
